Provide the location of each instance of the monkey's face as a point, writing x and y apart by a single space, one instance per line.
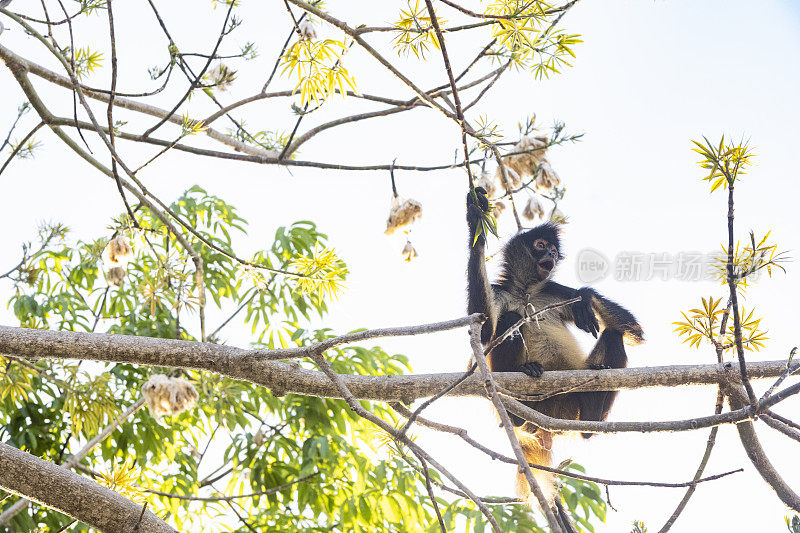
546 256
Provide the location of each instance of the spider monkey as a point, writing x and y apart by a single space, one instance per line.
528 261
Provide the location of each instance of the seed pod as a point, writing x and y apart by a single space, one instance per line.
402 213
168 395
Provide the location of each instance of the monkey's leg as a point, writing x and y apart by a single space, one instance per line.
510 353
609 352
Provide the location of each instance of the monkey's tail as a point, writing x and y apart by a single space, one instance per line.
537 449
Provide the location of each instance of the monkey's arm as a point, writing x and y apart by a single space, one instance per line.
579 313
584 314
480 297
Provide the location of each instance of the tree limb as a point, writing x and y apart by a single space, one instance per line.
282 378
72 494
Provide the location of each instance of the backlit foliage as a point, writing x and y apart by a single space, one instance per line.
725 161
705 323
124 480
714 322
748 260
524 36
85 60
415 33
262 439
322 271
15 380
317 66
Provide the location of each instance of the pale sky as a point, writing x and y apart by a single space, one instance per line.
649 77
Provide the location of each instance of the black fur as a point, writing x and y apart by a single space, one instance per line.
523 277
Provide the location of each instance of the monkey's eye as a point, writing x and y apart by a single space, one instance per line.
540 244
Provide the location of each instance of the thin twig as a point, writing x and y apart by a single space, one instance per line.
413 416
271 490
464 435
431 495
336 379
477 350
712 438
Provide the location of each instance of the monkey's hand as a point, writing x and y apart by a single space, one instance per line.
533 369
583 313
475 211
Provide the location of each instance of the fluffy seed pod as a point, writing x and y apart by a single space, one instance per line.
168 396
499 207
513 178
115 276
488 183
409 252
533 209
403 213
522 165
547 178
221 77
116 256
117 253
308 30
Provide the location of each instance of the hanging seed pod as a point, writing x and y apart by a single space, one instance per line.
547 178
168 395
308 29
409 252
533 209
488 183
402 213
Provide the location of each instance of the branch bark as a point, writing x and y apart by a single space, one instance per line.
738 399
73 460
74 495
282 378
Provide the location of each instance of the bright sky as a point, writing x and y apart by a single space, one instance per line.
650 77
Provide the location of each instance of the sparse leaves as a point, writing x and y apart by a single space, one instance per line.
725 161
318 68
123 479
323 273
523 39
705 323
758 254
415 32
86 60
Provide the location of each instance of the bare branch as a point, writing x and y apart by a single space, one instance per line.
747 433
74 459
712 439
282 378
488 382
462 433
72 494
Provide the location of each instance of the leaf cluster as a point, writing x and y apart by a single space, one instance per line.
706 324
724 161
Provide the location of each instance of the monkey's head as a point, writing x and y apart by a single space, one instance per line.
542 243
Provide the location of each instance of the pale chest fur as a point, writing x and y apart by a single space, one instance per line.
547 339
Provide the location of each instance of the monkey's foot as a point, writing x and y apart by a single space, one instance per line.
532 369
598 367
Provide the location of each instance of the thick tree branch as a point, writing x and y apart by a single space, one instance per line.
74 495
76 458
282 378
738 399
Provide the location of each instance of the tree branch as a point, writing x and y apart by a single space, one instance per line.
72 494
282 378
